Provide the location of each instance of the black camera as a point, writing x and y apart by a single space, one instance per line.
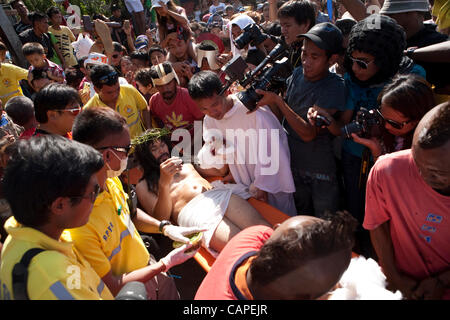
368 123
273 78
252 35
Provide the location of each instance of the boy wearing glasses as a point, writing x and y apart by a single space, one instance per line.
312 158
124 99
55 108
55 200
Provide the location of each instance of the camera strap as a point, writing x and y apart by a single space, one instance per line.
20 274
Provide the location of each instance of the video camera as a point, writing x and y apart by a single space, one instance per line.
268 78
368 123
252 34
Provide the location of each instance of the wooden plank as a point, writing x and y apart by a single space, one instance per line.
14 44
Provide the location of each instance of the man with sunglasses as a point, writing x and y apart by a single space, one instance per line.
110 241
124 99
45 201
55 108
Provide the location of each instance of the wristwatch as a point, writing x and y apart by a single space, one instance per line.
410 51
162 224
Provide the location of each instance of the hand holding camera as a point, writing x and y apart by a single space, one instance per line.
319 117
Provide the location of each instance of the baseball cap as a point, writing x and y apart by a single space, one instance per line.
399 6
326 36
141 42
96 58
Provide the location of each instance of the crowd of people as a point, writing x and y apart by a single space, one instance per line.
123 128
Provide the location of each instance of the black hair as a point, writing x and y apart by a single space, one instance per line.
298 246
94 124
273 28
74 76
140 55
35 17
437 133
38 74
204 84
143 76
31 48
43 169
100 71
20 109
52 10
156 48
302 11
55 96
345 25
148 162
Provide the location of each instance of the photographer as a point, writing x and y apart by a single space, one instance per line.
312 158
402 104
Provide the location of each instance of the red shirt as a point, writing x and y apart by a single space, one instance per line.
27 134
180 114
218 285
419 216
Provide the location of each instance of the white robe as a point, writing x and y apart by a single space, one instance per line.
274 178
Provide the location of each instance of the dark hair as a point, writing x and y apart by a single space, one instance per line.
20 109
35 17
156 48
298 246
31 48
345 25
273 28
52 11
143 76
100 71
149 164
437 133
38 74
117 46
140 55
302 11
55 96
43 169
3 47
204 84
94 124
114 7
74 76
409 94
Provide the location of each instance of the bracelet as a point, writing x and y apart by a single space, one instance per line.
162 224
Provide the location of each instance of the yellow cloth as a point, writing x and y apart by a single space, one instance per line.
10 75
443 16
130 104
109 240
64 38
59 272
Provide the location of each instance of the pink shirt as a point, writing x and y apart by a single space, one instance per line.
216 285
180 114
419 216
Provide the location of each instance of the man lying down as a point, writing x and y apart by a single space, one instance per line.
175 191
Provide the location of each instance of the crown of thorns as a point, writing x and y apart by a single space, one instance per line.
150 135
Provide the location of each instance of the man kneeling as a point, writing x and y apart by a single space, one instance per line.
175 191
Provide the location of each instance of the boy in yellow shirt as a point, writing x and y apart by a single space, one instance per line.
57 179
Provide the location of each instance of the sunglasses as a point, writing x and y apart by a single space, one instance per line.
394 124
361 63
91 195
125 150
109 79
74 111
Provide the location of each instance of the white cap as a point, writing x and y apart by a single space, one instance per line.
96 58
155 3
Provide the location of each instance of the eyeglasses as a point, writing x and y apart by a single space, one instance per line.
91 195
74 111
125 150
393 123
109 79
361 63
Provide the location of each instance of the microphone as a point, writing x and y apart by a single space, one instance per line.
133 290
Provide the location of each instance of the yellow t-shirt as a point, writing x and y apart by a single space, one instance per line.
130 104
58 273
109 241
64 38
10 75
